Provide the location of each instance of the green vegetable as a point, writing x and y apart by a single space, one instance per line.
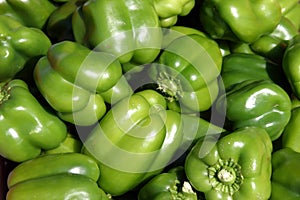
129 29
293 16
52 164
30 13
77 82
170 185
26 127
189 77
291 133
244 21
141 134
18 45
285 174
291 64
235 166
59 186
168 10
259 103
239 67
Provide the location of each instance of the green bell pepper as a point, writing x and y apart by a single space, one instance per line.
291 133
285 174
259 103
239 67
235 166
244 21
30 13
273 45
291 64
39 129
170 185
137 138
77 82
49 165
293 16
129 29
169 10
189 77
18 45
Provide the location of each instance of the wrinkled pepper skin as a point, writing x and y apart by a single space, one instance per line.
77 82
285 174
30 13
238 20
169 10
132 31
189 77
141 134
259 103
170 185
59 186
291 64
240 67
291 133
235 166
48 165
39 128
14 48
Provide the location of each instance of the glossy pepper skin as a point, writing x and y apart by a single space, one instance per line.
14 48
189 77
240 67
77 82
273 45
259 103
285 174
235 166
170 185
291 133
169 10
39 128
291 64
129 29
30 13
141 133
238 20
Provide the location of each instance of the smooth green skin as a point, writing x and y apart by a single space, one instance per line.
30 13
239 67
59 24
291 133
169 10
39 128
53 164
285 174
259 103
273 45
129 29
71 144
238 20
82 79
250 147
60 186
291 64
14 48
189 77
167 185
293 16
141 134
287 5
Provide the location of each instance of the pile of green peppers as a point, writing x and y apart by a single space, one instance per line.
149 99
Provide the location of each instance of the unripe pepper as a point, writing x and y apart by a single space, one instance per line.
18 45
77 82
38 129
136 139
235 166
